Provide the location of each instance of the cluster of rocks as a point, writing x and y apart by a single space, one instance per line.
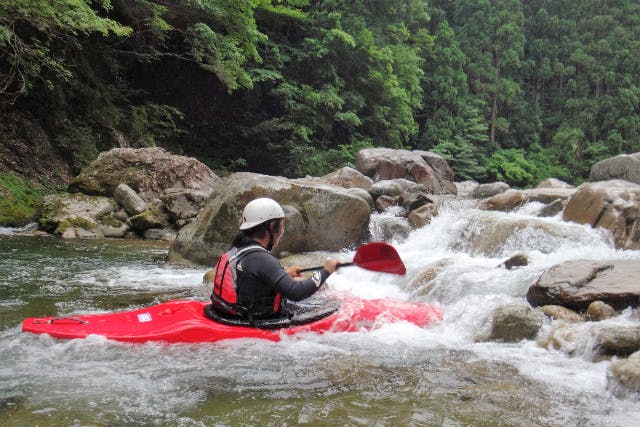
323 213
129 192
152 194
611 200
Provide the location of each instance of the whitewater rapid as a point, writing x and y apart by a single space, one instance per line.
397 372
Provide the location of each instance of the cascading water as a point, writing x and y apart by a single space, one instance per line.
397 374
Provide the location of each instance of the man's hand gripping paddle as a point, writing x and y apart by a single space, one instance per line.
374 256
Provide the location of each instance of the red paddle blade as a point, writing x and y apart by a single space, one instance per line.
379 256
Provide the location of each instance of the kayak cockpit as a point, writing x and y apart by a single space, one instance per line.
296 314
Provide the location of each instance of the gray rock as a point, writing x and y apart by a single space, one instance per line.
576 284
164 234
623 166
129 199
547 195
552 209
75 232
613 205
361 193
75 215
348 178
394 228
466 188
148 219
513 323
616 340
438 163
384 202
148 171
183 205
112 227
386 187
484 191
414 198
426 168
318 218
553 183
505 201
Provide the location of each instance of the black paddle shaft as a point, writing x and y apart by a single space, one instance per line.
306 270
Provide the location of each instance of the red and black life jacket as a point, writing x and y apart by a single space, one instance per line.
225 296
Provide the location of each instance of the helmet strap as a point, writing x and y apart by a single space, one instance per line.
270 244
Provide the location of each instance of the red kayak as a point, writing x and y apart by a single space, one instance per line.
187 321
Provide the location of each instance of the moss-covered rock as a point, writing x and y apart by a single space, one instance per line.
68 215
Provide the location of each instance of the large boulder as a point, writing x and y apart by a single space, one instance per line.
319 217
576 284
422 167
613 205
348 178
624 166
150 172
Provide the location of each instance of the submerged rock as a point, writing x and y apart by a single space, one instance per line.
517 260
616 339
423 215
512 323
623 377
552 209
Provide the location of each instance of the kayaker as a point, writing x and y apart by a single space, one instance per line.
249 282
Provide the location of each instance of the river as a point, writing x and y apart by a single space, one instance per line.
395 375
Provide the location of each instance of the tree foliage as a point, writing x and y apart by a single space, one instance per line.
503 89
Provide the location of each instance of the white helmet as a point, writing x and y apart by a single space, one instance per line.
260 210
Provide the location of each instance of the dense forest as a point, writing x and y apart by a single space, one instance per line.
513 90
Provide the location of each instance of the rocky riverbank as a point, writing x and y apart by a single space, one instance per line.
152 194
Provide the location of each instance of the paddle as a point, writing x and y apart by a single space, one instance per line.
375 256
